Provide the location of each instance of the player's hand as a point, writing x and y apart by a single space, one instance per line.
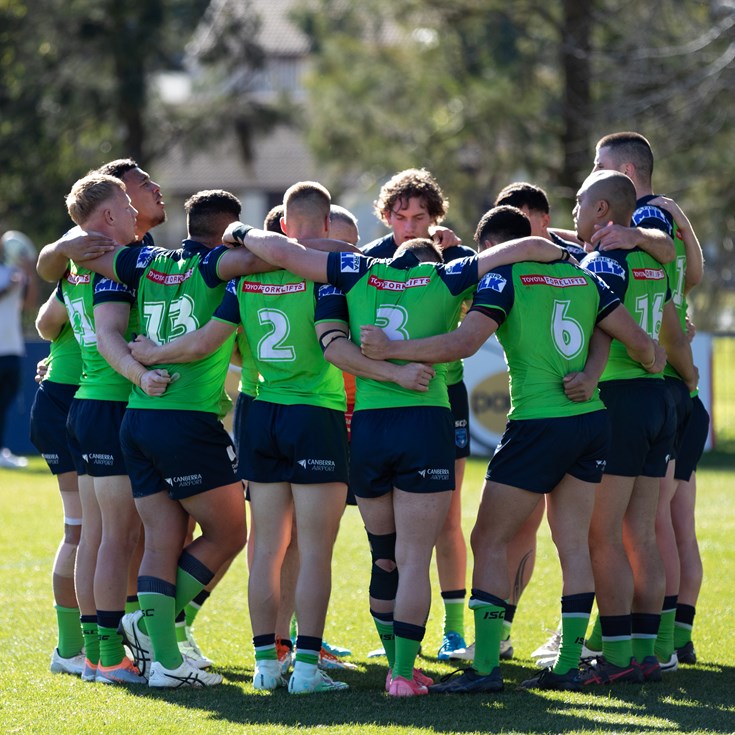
579 387
235 233
416 376
691 328
660 362
143 350
444 237
155 382
614 237
692 384
41 370
87 247
374 342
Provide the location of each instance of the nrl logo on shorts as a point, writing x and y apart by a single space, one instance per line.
349 263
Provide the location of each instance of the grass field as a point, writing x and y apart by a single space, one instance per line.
696 699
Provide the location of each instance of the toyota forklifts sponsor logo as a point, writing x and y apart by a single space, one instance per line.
169 279
648 274
383 284
273 289
540 280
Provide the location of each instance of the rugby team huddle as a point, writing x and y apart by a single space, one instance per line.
604 432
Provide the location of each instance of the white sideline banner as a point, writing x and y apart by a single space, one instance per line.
486 378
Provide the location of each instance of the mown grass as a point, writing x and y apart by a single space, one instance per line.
695 700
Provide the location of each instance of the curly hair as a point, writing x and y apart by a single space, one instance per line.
405 185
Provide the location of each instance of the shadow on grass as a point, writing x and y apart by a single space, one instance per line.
693 699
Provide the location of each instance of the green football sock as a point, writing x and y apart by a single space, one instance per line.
181 627
187 588
91 638
664 647
70 631
159 607
265 647
384 626
454 602
575 616
131 604
510 611
684 622
617 646
489 612
192 609
644 629
406 652
111 646
594 641
408 642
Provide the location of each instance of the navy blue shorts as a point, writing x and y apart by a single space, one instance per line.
643 424
49 413
94 432
683 406
536 454
411 449
183 453
239 432
693 440
460 404
302 445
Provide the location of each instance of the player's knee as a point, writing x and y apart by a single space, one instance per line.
72 531
384 573
65 559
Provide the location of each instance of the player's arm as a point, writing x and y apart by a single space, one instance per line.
278 250
345 354
515 251
581 385
694 255
189 347
678 349
620 325
51 318
111 321
464 341
619 237
53 259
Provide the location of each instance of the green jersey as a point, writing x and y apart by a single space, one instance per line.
82 290
409 300
64 361
547 313
676 272
249 373
385 248
178 291
640 282
277 313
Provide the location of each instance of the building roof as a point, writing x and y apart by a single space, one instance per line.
281 158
